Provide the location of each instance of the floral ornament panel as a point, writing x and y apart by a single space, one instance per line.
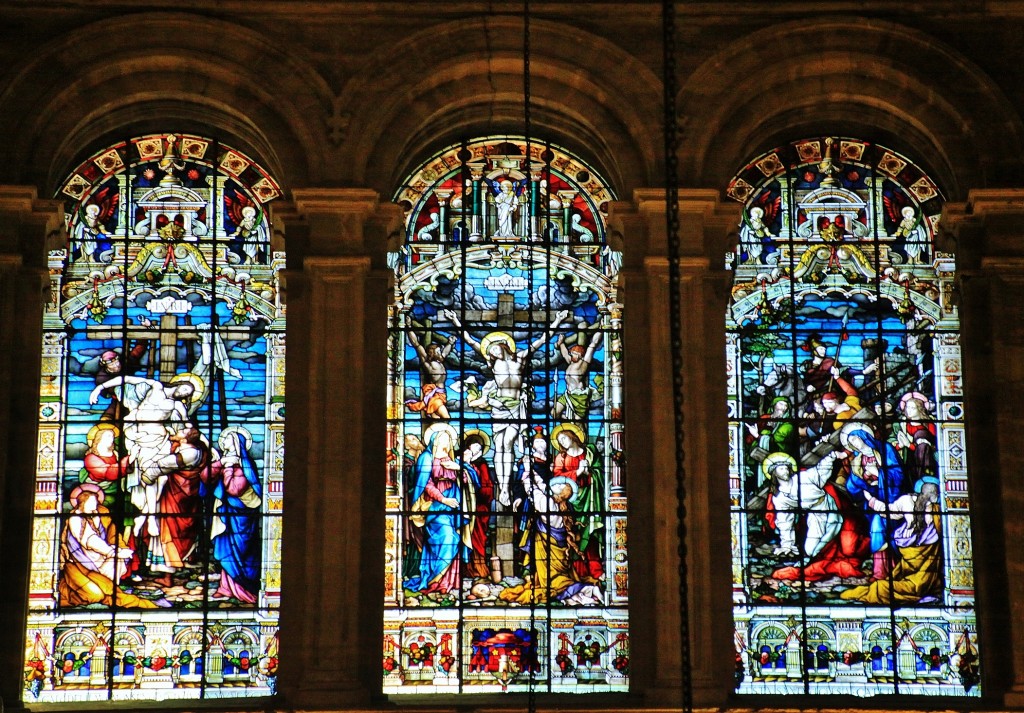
850 513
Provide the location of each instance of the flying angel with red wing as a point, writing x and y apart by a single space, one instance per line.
93 217
754 225
909 226
249 226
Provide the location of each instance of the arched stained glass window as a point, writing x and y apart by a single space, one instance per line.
851 535
157 530
506 562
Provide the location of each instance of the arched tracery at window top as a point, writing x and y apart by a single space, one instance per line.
159 478
848 479
505 564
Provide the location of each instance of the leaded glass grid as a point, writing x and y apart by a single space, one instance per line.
851 543
157 530
505 562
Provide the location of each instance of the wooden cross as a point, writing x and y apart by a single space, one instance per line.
167 336
506 315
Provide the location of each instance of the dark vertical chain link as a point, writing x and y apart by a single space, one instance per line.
534 638
675 330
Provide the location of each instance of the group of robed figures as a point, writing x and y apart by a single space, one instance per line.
156 507
460 506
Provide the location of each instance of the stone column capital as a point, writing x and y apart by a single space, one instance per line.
707 225
638 228
29 226
986 234
337 221
29 229
987 231
337 284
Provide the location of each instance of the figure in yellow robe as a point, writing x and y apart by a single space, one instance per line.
550 542
917 575
90 556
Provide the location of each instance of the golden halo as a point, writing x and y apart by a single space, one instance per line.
429 431
775 458
86 488
233 429
560 428
198 385
493 337
101 426
559 480
483 437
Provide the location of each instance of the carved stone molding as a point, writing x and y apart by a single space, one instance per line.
335 432
29 227
987 233
706 225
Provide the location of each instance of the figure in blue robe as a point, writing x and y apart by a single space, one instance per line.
237 496
439 507
877 471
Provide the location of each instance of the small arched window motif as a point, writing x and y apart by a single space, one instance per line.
817 650
161 420
770 647
848 462
506 506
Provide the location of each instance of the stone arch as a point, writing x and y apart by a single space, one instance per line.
588 95
192 635
240 85
898 86
129 637
240 636
84 637
767 630
820 626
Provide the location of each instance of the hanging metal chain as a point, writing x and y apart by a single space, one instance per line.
675 329
534 639
526 78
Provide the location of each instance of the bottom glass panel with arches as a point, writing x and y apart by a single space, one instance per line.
506 566
851 539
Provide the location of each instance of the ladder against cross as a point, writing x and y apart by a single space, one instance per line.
166 335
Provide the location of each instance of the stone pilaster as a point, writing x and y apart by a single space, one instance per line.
29 227
706 225
987 235
336 289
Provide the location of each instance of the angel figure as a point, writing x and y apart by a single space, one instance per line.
249 225
506 200
909 226
90 232
754 225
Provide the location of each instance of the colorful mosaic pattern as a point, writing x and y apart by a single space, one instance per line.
851 545
157 533
505 563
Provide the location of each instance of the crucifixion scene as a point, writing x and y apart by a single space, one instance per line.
506 491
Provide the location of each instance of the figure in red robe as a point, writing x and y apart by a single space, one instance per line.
180 506
476 444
